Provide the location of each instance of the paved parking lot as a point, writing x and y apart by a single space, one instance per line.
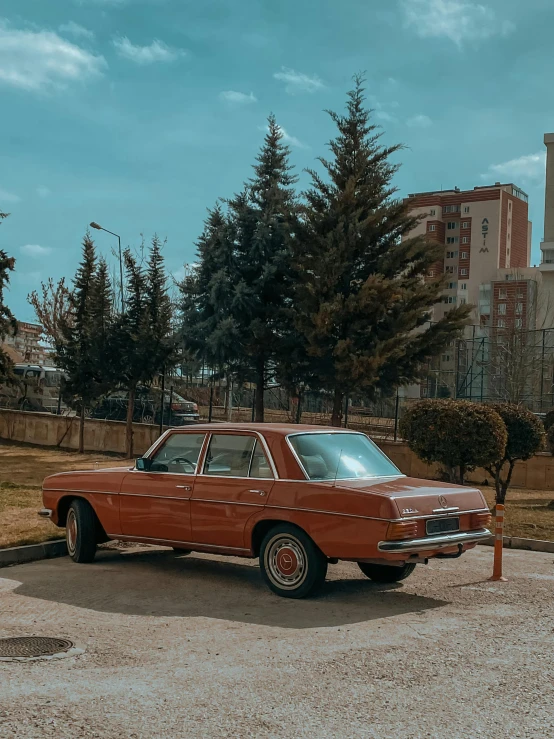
181 647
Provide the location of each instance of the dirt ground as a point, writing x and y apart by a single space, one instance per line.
22 470
23 467
196 646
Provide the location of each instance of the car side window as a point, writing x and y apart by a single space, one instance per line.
229 455
179 454
259 467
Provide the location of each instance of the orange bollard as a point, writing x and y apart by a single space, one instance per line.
498 544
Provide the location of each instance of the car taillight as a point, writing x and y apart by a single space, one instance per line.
175 406
402 530
481 520
195 407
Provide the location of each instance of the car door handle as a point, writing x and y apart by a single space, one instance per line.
184 487
257 492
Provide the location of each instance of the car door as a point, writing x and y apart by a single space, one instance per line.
234 484
155 504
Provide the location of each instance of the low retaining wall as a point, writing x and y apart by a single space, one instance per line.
535 474
109 436
63 432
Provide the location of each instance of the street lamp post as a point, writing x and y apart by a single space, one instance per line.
100 228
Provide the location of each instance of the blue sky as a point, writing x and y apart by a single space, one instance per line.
139 114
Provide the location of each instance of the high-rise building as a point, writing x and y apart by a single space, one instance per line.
482 230
27 343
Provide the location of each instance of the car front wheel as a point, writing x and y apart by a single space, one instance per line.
81 531
291 564
386 573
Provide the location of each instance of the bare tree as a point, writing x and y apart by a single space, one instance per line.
53 308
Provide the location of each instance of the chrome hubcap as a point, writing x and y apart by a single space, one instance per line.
286 562
71 532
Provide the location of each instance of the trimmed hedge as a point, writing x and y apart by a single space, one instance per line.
457 434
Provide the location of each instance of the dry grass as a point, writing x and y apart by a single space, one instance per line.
22 470
528 512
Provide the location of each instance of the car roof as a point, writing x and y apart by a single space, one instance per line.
278 429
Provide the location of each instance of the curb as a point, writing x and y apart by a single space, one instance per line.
515 542
32 552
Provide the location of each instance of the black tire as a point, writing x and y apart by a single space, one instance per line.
81 531
178 550
386 573
291 564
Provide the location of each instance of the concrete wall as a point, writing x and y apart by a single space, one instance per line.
535 474
109 436
63 432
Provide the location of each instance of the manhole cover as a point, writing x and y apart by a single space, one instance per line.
32 646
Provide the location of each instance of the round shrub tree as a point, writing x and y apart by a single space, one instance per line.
457 434
525 439
550 439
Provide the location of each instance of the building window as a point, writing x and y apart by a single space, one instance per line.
501 323
464 255
466 208
502 309
510 205
519 322
452 285
520 294
445 357
463 286
452 225
465 239
432 227
462 301
502 293
465 224
451 209
432 212
451 239
519 309
463 271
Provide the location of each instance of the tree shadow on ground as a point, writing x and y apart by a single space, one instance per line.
161 583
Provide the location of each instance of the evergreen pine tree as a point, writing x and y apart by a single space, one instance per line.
143 343
8 324
264 222
363 298
75 350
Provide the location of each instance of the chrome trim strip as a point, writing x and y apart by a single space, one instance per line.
328 513
446 510
181 498
45 513
234 477
431 515
227 502
193 544
434 542
89 492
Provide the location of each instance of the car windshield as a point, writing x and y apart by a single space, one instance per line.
341 456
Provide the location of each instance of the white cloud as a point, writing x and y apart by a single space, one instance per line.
457 20
529 168
297 81
157 51
8 197
74 29
238 98
36 250
43 192
380 109
38 60
419 121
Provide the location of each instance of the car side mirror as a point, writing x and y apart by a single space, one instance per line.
143 464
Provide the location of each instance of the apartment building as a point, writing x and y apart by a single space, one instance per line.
482 230
27 343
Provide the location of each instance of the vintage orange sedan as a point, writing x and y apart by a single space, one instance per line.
297 497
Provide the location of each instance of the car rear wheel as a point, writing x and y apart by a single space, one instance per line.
81 531
291 564
386 573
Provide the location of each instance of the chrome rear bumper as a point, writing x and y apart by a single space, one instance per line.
442 541
45 513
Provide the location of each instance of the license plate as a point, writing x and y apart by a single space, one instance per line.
442 525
